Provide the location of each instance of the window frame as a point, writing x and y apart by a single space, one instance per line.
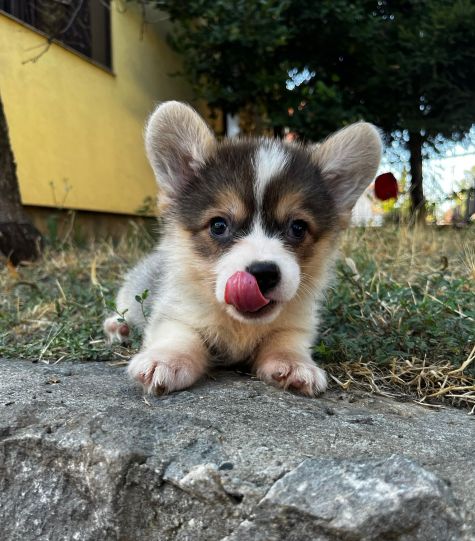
98 33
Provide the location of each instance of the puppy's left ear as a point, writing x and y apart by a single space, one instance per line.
178 142
348 161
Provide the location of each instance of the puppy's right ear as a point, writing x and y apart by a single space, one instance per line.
177 142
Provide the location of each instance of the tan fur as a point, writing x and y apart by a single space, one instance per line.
228 204
291 200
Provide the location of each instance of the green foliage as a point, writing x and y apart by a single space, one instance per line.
54 311
55 317
406 65
228 48
378 318
141 300
420 67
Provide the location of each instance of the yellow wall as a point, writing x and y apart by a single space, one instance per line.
79 127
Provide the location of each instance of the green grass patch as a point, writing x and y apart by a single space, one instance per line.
54 309
400 295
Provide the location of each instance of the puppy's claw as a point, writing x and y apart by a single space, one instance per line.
282 374
302 376
297 384
162 372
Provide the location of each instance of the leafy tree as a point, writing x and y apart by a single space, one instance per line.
416 76
407 65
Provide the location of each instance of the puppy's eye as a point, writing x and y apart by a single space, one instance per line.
297 229
218 227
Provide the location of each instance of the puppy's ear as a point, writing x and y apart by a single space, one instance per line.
348 161
177 142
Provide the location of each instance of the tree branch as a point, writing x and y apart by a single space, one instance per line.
51 38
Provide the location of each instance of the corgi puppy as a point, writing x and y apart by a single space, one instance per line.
248 244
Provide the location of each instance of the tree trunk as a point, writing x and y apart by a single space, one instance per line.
418 209
19 239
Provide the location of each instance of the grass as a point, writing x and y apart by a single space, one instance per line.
399 318
53 310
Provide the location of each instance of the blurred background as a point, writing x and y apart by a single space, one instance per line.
79 77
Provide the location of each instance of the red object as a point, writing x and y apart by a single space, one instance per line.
242 291
385 187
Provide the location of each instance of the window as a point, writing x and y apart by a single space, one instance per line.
82 25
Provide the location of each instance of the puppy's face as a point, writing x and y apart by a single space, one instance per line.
257 213
258 208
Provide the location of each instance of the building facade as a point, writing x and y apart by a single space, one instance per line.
76 106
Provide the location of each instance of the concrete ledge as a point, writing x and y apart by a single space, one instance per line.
83 456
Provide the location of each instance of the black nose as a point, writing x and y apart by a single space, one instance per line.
266 273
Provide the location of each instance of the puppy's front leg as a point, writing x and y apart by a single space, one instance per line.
173 358
284 360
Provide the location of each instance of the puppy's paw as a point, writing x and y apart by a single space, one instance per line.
295 374
161 372
116 331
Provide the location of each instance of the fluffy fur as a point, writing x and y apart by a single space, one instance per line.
261 188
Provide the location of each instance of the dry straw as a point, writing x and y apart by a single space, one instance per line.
424 382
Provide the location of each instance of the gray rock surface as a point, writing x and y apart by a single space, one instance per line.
84 457
328 499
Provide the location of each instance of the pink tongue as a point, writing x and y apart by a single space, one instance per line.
242 291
